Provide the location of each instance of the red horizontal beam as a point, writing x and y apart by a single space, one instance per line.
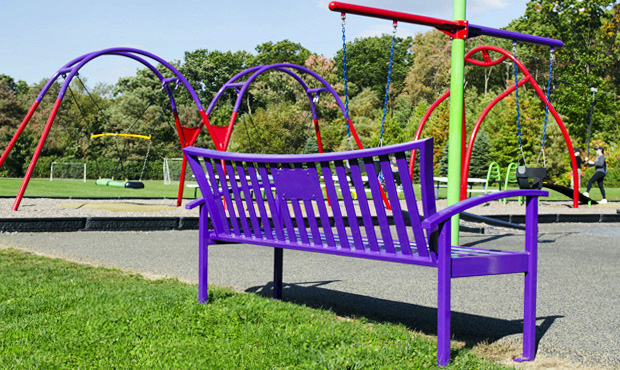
440 24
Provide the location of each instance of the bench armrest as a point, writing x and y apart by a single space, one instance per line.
195 203
434 220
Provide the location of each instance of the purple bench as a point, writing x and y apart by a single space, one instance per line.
293 202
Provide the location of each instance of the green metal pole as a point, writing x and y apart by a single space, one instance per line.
456 118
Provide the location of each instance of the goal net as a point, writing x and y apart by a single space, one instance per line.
68 171
172 170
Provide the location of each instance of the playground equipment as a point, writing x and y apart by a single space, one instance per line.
221 134
489 61
187 135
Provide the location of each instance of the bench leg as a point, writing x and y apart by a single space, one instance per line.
203 256
529 299
443 296
277 273
529 319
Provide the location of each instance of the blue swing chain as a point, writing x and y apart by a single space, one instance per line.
542 149
514 53
346 87
387 87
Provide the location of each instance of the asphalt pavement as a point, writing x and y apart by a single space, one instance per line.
578 285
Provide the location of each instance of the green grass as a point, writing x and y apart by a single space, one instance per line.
60 315
45 188
66 188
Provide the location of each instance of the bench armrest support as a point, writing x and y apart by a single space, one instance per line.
434 220
195 203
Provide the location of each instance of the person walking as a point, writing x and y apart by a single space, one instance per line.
600 171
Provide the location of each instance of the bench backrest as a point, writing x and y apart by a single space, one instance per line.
295 198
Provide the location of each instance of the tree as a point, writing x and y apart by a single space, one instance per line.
284 51
207 71
368 61
12 111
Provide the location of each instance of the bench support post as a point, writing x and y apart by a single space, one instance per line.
203 255
277 273
444 271
529 299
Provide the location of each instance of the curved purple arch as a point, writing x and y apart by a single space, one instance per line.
70 70
281 67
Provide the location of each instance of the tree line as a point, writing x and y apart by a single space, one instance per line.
275 115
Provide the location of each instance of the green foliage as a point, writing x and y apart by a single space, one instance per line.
284 51
280 129
368 61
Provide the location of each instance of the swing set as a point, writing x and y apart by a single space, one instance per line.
187 135
527 177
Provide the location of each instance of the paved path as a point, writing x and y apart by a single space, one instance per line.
579 292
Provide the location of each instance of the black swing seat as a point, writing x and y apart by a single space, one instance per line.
530 177
134 184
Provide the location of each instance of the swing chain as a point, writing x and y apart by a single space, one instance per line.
514 53
542 149
387 87
344 69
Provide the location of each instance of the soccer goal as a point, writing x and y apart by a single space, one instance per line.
172 170
68 171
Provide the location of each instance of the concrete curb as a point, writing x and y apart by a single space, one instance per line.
71 224
97 224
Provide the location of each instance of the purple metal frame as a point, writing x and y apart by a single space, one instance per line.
254 72
69 71
273 200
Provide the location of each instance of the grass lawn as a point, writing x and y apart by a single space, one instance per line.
66 188
60 315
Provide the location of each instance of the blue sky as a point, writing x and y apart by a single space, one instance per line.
39 36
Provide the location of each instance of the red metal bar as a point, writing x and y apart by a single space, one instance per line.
182 181
354 133
318 135
37 152
528 78
205 122
418 132
474 132
440 24
19 132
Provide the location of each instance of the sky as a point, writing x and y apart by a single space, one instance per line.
40 36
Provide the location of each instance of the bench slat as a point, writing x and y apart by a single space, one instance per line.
332 195
324 216
266 224
349 206
356 176
219 208
300 221
375 188
239 200
412 205
397 213
249 201
277 220
207 194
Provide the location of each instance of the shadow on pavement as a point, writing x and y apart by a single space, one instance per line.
471 329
